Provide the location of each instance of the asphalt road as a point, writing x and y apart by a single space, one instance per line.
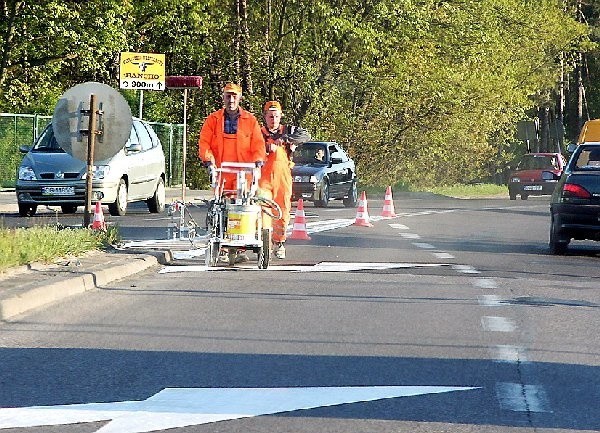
454 304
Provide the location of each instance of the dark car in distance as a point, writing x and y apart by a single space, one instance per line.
323 171
575 204
528 179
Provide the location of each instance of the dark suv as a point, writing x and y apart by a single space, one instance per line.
575 204
527 177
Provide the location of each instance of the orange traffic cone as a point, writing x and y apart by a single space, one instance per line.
362 214
299 230
388 204
98 223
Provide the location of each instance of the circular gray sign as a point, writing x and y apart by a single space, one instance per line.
114 123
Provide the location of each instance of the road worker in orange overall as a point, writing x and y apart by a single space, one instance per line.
276 177
231 134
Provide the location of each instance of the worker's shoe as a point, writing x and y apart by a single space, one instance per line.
241 257
279 250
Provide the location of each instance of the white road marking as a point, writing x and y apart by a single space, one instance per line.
180 407
522 398
410 236
497 324
511 354
490 301
444 255
423 245
486 283
399 226
465 269
319 267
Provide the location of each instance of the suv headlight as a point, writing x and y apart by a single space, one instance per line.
26 173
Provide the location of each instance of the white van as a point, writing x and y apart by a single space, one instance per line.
50 176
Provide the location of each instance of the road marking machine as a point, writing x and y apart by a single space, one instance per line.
235 217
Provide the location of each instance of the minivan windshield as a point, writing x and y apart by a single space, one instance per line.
47 142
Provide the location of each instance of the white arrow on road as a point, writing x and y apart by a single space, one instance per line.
180 407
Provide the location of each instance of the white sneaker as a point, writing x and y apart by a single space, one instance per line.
279 250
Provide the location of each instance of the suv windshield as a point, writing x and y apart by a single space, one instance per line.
311 153
47 142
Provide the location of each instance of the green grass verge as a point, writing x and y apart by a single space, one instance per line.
22 246
482 190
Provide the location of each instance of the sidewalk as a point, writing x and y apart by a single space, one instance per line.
25 288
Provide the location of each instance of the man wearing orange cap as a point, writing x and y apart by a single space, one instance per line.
231 134
276 176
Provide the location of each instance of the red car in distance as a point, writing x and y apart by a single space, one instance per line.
528 177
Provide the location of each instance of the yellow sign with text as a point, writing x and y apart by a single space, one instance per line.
142 71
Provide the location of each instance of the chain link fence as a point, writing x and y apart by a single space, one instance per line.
23 129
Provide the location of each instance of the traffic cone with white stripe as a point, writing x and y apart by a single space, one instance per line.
362 214
299 230
98 223
388 204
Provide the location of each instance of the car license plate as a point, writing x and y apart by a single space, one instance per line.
532 188
58 190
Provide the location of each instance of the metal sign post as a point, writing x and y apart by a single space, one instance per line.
185 83
91 133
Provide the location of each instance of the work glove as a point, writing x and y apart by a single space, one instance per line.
259 164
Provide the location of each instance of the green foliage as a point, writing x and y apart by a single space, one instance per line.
423 92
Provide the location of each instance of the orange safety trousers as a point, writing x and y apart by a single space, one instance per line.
276 179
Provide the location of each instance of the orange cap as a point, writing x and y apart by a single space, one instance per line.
272 105
232 88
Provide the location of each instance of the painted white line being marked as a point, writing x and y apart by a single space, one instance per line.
319 267
522 398
399 226
497 324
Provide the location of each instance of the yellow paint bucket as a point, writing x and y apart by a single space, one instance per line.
242 222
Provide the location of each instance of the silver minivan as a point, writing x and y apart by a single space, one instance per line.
50 176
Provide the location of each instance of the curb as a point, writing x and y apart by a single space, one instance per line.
80 282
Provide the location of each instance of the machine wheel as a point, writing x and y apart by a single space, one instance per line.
558 241
211 254
119 207
264 253
68 208
324 201
27 209
352 198
156 204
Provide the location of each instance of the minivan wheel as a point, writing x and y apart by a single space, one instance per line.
119 207
27 209
156 204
